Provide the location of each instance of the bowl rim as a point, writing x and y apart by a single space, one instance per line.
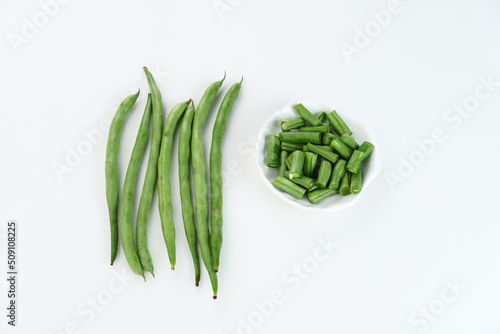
375 164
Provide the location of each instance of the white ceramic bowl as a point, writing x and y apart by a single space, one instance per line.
361 132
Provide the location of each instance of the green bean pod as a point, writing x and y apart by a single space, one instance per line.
164 184
216 171
200 182
150 178
127 234
111 168
185 189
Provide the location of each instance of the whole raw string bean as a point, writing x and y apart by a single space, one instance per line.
164 184
200 182
127 234
111 168
185 189
150 178
216 171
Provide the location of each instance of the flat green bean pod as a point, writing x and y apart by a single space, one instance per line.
127 234
164 185
216 171
200 182
185 189
151 176
111 168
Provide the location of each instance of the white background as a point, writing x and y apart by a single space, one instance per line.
397 247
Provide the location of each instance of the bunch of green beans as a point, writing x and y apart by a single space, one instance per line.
314 161
207 233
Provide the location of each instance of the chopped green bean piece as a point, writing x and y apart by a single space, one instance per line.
366 148
327 138
356 182
342 149
314 187
334 123
290 147
340 127
309 163
325 170
349 141
330 156
288 161
322 116
319 194
325 147
337 173
355 161
292 124
323 128
289 187
273 151
301 137
302 181
344 188
306 115
297 165
282 167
